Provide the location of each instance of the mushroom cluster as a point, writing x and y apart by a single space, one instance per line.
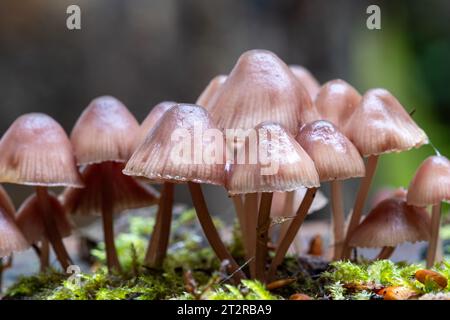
268 133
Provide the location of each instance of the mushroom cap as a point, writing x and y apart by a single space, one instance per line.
279 198
105 131
308 81
126 192
334 156
36 151
206 97
390 223
30 220
153 117
286 166
381 125
386 193
261 88
336 102
431 183
175 150
11 238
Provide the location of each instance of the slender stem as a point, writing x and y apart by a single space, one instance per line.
434 235
51 228
251 212
262 232
295 225
288 210
211 232
338 218
44 255
385 253
157 249
361 197
240 212
112 260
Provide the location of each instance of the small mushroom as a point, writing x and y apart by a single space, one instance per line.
431 186
37 152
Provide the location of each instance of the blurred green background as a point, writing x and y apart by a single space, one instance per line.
143 52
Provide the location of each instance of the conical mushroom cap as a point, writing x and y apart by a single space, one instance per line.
152 118
30 220
126 192
206 97
336 102
285 166
36 151
105 131
177 149
261 88
279 199
307 79
391 223
334 156
11 239
381 125
431 184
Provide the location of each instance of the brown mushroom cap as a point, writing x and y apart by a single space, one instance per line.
293 168
307 79
126 192
105 131
381 125
386 193
30 219
206 97
261 88
431 184
154 158
336 102
11 239
153 117
36 151
334 156
391 223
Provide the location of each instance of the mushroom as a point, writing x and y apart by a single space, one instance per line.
379 125
31 221
307 79
104 138
389 224
36 151
206 97
336 159
182 159
152 119
261 88
280 165
431 186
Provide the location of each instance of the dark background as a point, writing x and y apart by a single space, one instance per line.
143 52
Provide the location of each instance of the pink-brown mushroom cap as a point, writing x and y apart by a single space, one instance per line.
36 151
308 81
431 183
152 118
105 131
206 97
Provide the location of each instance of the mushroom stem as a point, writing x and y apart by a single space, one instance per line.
112 260
295 225
361 197
51 228
44 255
288 210
240 212
434 235
385 253
262 232
338 217
251 211
157 249
211 232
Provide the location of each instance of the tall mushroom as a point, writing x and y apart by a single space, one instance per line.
279 165
431 186
36 151
186 147
104 138
336 159
389 224
379 125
